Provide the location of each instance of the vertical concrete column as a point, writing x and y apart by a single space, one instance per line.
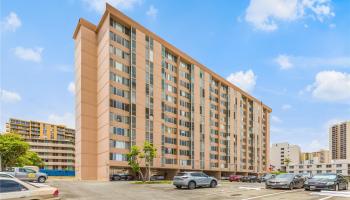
85 101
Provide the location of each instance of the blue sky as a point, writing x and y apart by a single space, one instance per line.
293 55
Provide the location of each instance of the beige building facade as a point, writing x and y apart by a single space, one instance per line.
132 86
321 156
279 152
339 141
334 166
53 143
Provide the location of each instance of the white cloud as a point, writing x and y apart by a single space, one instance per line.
29 54
286 107
152 12
283 61
332 25
275 119
331 86
100 5
289 61
67 119
265 14
245 80
9 97
71 87
11 22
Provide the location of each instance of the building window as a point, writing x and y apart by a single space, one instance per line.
120 40
120 92
119 27
119 118
118 157
120 131
119 79
117 104
119 66
185 143
169 140
119 144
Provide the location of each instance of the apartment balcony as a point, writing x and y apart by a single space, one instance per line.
52 151
59 163
57 157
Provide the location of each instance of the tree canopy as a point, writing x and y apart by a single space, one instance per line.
14 151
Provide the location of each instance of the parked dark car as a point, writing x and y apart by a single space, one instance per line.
328 181
287 181
266 177
235 178
306 176
120 177
157 177
250 179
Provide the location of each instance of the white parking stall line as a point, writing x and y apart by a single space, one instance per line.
271 194
326 198
332 193
250 188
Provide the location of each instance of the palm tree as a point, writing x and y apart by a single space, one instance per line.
287 161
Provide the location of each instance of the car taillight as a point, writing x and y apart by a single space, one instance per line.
55 193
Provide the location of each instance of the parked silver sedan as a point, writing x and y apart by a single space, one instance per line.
191 180
288 181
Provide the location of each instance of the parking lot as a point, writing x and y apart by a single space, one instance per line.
225 190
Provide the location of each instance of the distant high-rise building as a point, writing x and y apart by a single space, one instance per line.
280 152
53 143
339 141
132 86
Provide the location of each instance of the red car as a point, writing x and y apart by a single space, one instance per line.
235 178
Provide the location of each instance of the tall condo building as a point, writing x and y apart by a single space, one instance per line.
53 143
132 86
339 141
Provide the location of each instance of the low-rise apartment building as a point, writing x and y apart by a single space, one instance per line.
53 143
321 156
132 86
279 152
335 166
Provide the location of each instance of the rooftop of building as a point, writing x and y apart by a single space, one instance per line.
115 12
41 122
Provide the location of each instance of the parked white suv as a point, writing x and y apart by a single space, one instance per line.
191 180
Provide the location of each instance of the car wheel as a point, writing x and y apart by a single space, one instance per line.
191 185
178 186
291 186
41 179
213 184
336 187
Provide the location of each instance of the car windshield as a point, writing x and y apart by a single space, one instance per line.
267 175
325 176
181 174
30 170
287 176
